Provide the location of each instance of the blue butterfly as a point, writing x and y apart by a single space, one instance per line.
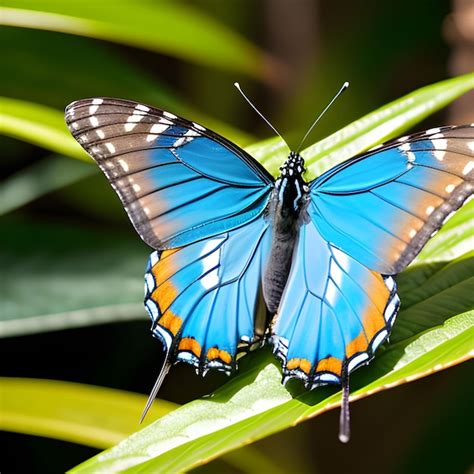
242 259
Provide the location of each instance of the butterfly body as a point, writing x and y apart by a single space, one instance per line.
286 210
232 244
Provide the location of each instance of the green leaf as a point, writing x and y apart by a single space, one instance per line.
50 286
40 125
146 25
454 239
368 131
255 404
95 70
43 177
93 416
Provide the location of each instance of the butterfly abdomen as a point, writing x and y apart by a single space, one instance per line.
287 203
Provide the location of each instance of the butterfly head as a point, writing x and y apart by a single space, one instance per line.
291 190
293 166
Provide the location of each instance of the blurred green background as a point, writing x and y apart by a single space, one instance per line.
67 244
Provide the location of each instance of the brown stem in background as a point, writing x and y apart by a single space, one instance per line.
459 32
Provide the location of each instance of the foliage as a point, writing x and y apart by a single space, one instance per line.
50 286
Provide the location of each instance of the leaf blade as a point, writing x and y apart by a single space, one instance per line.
146 26
92 416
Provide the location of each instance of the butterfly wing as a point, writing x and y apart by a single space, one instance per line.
381 208
368 219
333 309
205 298
178 181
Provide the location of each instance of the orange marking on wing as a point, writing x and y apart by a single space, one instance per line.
373 321
165 294
358 344
166 266
302 364
191 345
215 353
225 357
293 364
378 293
330 364
171 321
167 253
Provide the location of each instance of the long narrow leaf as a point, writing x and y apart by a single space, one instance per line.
40 125
34 181
93 416
148 25
255 405
372 129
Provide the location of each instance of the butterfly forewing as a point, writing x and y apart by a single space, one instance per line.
178 181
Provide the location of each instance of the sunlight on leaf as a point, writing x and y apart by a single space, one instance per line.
93 416
40 125
43 177
372 129
149 26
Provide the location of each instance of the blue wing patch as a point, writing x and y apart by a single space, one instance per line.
333 310
205 298
178 181
382 207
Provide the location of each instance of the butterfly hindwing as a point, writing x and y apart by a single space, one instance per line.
382 207
178 181
333 309
205 298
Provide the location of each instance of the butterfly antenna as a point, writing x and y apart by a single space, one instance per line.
341 90
237 85
154 391
344 418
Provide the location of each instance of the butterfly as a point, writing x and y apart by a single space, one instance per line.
242 259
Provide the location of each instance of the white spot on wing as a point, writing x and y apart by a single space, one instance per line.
439 154
170 115
154 258
378 339
405 147
149 282
440 144
429 210
468 168
95 105
142 107
470 145
210 264
124 165
158 128
411 157
199 127
354 362
412 233
433 130
94 121
449 188
100 133
110 147
136 187
155 130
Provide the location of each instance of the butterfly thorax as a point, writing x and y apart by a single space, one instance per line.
285 210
